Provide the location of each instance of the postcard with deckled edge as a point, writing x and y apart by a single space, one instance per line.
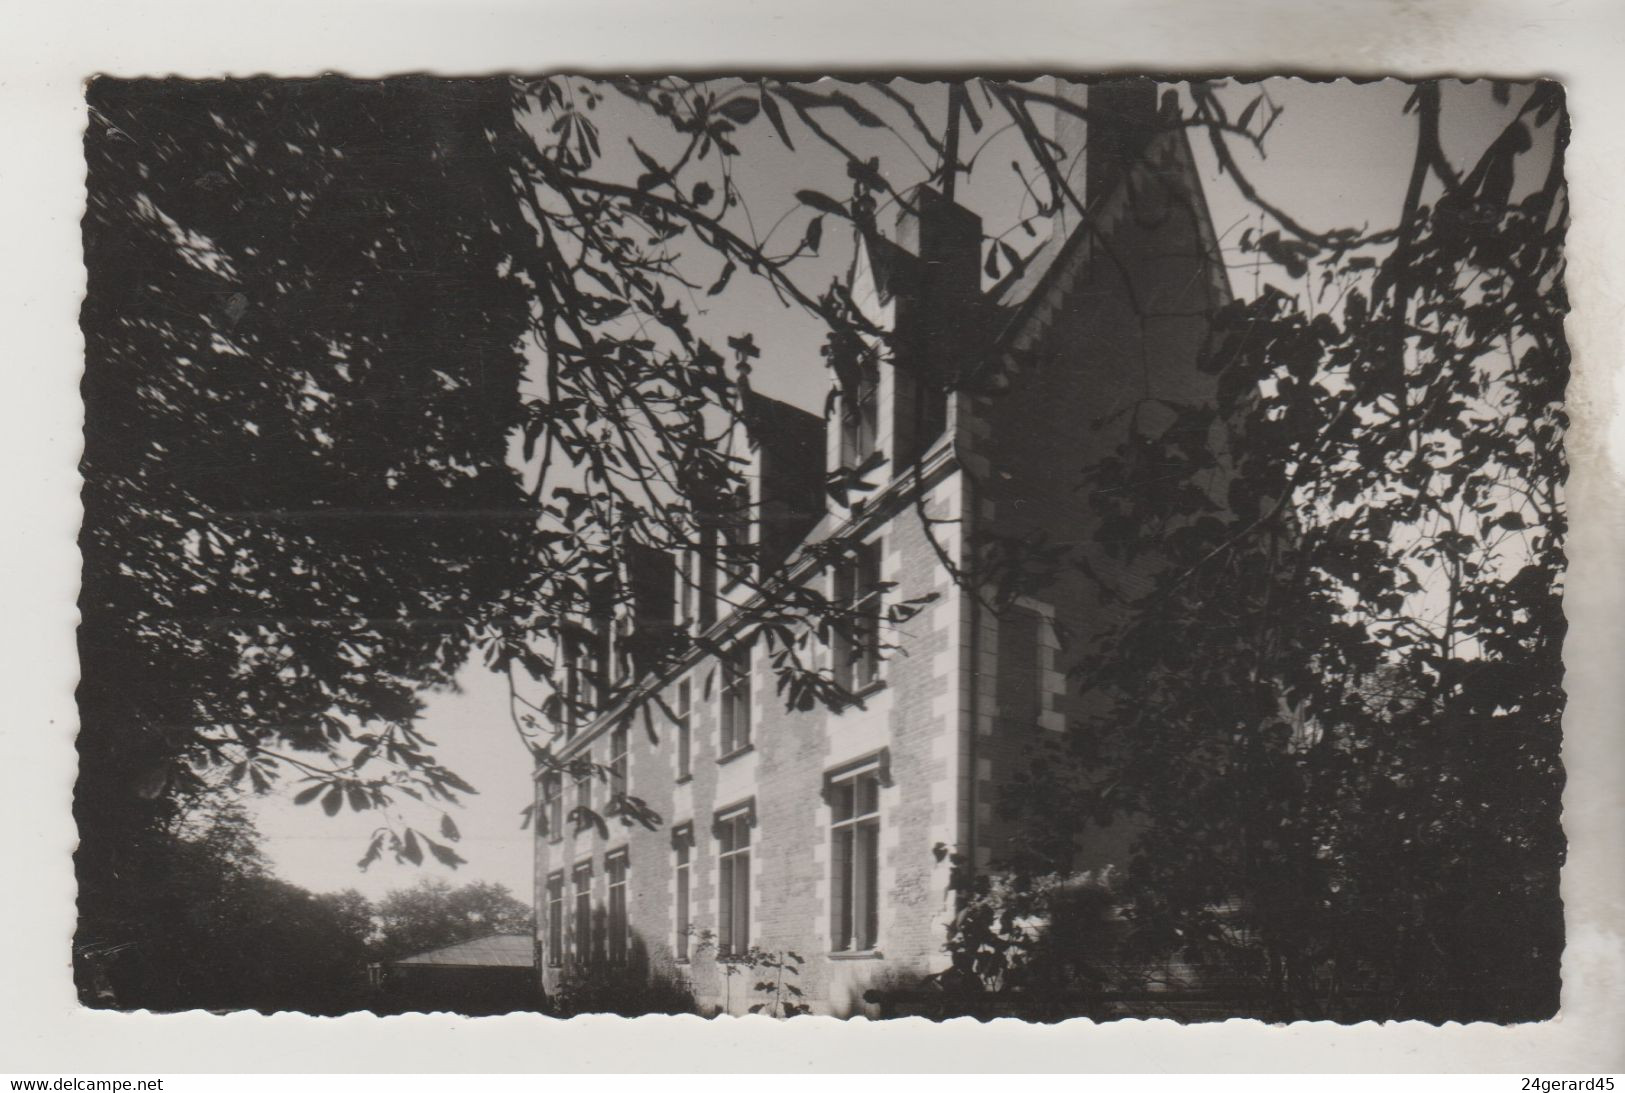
998 548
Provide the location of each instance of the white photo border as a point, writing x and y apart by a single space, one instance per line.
53 47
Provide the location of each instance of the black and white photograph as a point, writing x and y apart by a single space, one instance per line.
1039 548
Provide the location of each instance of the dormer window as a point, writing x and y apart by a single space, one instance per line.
618 762
860 411
646 635
584 653
553 797
584 790
687 592
736 544
571 700
706 574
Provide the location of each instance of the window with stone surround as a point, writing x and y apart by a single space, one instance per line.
857 644
854 803
735 549
584 790
735 713
555 919
585 653
705 565
616 866
684 717
733 886
860 411
687 591
682 845
618 782
553 805
581 932
1021 667
570 684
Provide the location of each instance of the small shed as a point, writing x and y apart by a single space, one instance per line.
482 976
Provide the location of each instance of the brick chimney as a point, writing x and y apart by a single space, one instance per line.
945 236
1095 154
938 312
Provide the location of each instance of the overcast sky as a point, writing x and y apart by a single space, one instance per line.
1338 156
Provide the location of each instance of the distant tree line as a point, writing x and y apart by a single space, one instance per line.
223 932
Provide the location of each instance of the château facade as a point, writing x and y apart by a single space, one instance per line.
822 832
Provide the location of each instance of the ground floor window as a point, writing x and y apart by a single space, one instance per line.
615 867
733 862
855 861
555 919
581 939
682 841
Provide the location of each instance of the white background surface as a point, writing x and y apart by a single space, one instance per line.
47 49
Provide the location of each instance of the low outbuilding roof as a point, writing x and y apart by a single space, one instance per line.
495 951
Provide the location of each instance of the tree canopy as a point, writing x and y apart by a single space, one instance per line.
302 366
1333 719
432 914
221 932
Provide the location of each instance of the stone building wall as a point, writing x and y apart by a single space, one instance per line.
1111 340
914 717
1092 344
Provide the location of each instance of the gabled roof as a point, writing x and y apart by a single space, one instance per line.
1020 283
792 431
887 263
493 951
1065 254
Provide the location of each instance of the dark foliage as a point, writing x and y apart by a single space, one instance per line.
623 990
222 933
1334 719
432 914
302 366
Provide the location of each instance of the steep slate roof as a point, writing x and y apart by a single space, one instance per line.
791 443
788 430
1062 255
1022 282
494 951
